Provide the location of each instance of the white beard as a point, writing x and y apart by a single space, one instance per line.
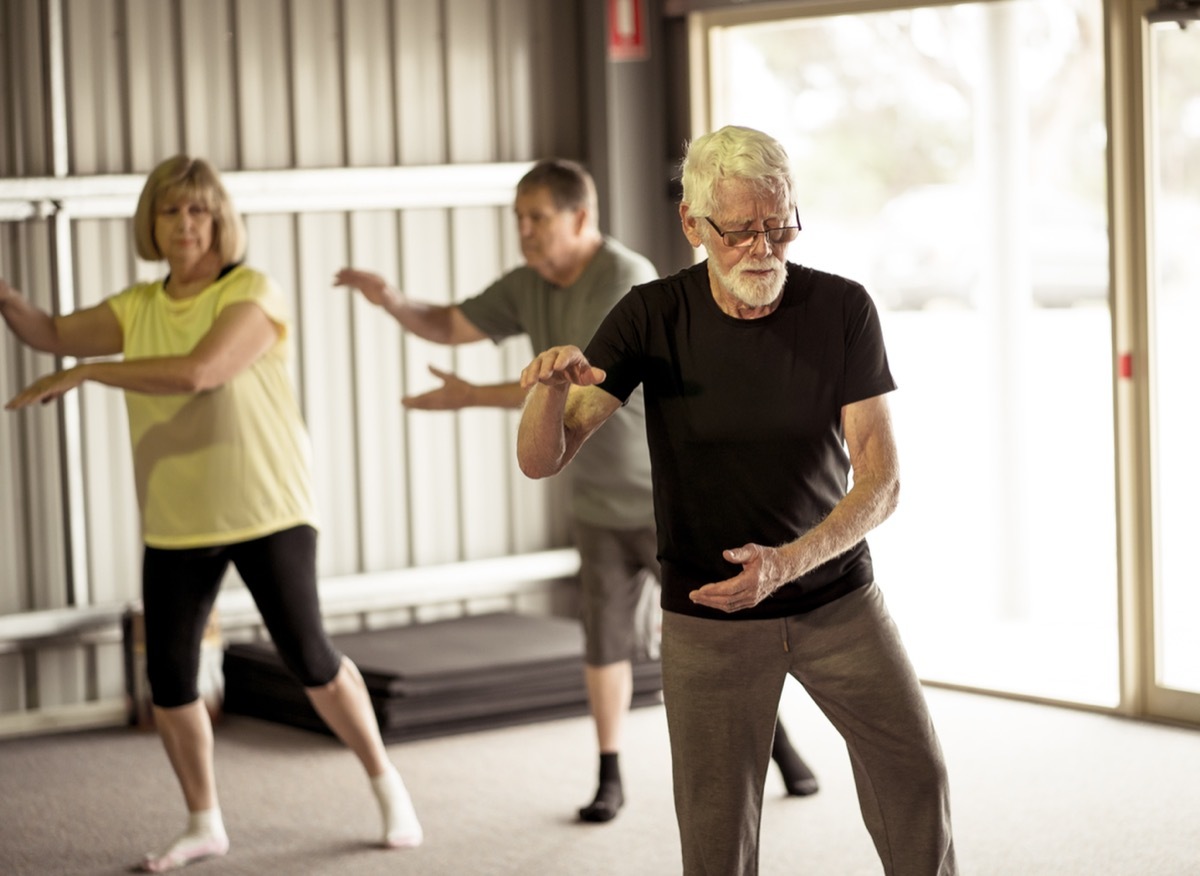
752 291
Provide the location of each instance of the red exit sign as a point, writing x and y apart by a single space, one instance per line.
627 40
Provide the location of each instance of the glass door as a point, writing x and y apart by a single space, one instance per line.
952 159
1173 214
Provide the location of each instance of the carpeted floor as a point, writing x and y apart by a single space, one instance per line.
1037 791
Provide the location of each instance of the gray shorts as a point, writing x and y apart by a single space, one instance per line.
618 605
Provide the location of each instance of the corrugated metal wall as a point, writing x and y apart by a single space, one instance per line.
454 96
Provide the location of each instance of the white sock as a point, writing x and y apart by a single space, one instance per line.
205 837
401 829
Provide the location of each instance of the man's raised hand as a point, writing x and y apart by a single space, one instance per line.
560 366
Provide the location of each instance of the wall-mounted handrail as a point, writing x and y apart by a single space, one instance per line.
270 191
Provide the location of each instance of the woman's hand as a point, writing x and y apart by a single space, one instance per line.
48 388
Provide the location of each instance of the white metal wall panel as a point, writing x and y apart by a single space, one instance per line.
264 103
12 683
208 99
40 520
434 476
324 344
23 82
106 681
114 545
486 457
514 87
421 90
61 676
378 366
471 80
315 78
99 136
152 60
105 247
44 521
369 83
15 571
11 62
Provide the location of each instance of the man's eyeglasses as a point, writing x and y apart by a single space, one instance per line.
742 239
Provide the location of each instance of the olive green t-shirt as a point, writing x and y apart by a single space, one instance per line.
610 475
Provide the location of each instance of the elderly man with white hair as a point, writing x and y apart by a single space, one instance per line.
765 386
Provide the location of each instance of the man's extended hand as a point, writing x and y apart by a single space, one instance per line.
559 366
372 286
454 394
763 572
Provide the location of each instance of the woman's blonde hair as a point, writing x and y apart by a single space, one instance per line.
188 177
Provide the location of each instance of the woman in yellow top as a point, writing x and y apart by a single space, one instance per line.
222 465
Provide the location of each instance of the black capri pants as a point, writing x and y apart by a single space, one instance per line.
179 588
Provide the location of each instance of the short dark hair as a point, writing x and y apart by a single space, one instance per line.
570 186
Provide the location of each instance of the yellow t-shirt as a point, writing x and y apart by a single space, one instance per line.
225 465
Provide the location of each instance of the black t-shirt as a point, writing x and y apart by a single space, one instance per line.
744 423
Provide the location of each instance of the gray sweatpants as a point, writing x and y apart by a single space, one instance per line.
721 684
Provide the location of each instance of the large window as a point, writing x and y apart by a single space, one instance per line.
1175 267
952 159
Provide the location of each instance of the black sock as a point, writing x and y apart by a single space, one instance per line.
797 777
610 796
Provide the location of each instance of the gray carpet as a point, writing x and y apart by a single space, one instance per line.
1037 790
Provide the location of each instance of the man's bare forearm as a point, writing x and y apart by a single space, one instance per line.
868 504
542 436
498 395
428 321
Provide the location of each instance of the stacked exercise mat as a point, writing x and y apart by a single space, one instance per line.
432 679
